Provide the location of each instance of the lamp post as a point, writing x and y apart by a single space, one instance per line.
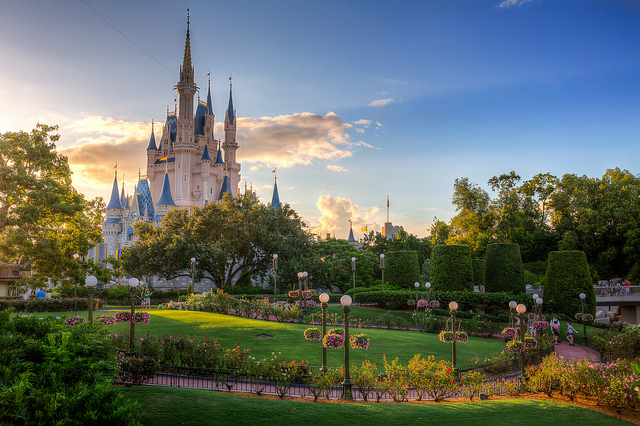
584 325
521 309
275 275
133 284
453 306
512 309
416 285
428 287
539 303
193 266
382 268
345 301
301 277
353 269
324 299
75 287
91 282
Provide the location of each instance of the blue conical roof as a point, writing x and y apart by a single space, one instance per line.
219 158
165 196
275 199
205 154
114 202
209 103
152 142
230 109
351 238
200 119
226 187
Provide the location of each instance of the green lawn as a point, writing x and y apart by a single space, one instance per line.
175 406
289 341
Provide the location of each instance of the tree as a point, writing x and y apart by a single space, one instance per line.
503 270
43 219
568 276
232 241
451 268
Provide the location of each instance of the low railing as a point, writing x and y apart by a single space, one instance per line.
614 356
617 291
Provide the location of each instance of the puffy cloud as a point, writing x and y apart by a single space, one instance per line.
283 141
336 213
335 168
380 102
509 3
362 122
287 140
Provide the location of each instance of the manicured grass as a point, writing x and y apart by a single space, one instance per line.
288 339
175 406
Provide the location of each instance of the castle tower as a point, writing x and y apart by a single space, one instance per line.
230 146
112 225
184 147
275 198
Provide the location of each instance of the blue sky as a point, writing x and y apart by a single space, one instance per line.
351 101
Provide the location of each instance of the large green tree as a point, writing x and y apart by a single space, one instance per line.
43 219
232 241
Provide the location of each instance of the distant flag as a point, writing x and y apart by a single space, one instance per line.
165 159
364 229
274 170
116 166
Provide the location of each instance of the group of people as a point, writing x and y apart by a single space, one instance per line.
614 288
39 294
555 329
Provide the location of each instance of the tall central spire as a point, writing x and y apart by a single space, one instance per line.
186 62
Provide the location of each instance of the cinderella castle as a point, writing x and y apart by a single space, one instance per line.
187 167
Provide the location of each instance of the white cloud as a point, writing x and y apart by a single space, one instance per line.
362 122
509 3
335 168
283 141
380 102
336 213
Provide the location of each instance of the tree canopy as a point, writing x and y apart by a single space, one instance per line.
43 219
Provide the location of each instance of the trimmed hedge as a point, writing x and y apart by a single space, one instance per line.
402 268
503 270
451 268
48 305
478 271
489 303
567 276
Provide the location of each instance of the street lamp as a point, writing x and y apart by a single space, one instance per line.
90 283
345 301
275 275
521 309
75 287
416 285
539 302
428 287
453 306
512 308
133 285
584 325
382 268
301 276
193 266
353 269
324 299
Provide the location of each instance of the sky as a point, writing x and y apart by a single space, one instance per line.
351 101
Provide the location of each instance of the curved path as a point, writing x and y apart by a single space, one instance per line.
576 352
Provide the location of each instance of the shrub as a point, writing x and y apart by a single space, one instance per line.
567 276
451 268
503 269
54 374
478 271
402 268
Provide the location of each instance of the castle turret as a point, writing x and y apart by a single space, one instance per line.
112 225
275 199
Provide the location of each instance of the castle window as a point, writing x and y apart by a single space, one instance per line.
185 178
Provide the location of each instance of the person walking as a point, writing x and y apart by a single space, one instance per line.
555 329
570 331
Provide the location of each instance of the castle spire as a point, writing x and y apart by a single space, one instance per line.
275 199
186 61
114 202
165 197
230 113
152 139
352 239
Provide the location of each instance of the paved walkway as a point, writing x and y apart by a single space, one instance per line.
576 352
